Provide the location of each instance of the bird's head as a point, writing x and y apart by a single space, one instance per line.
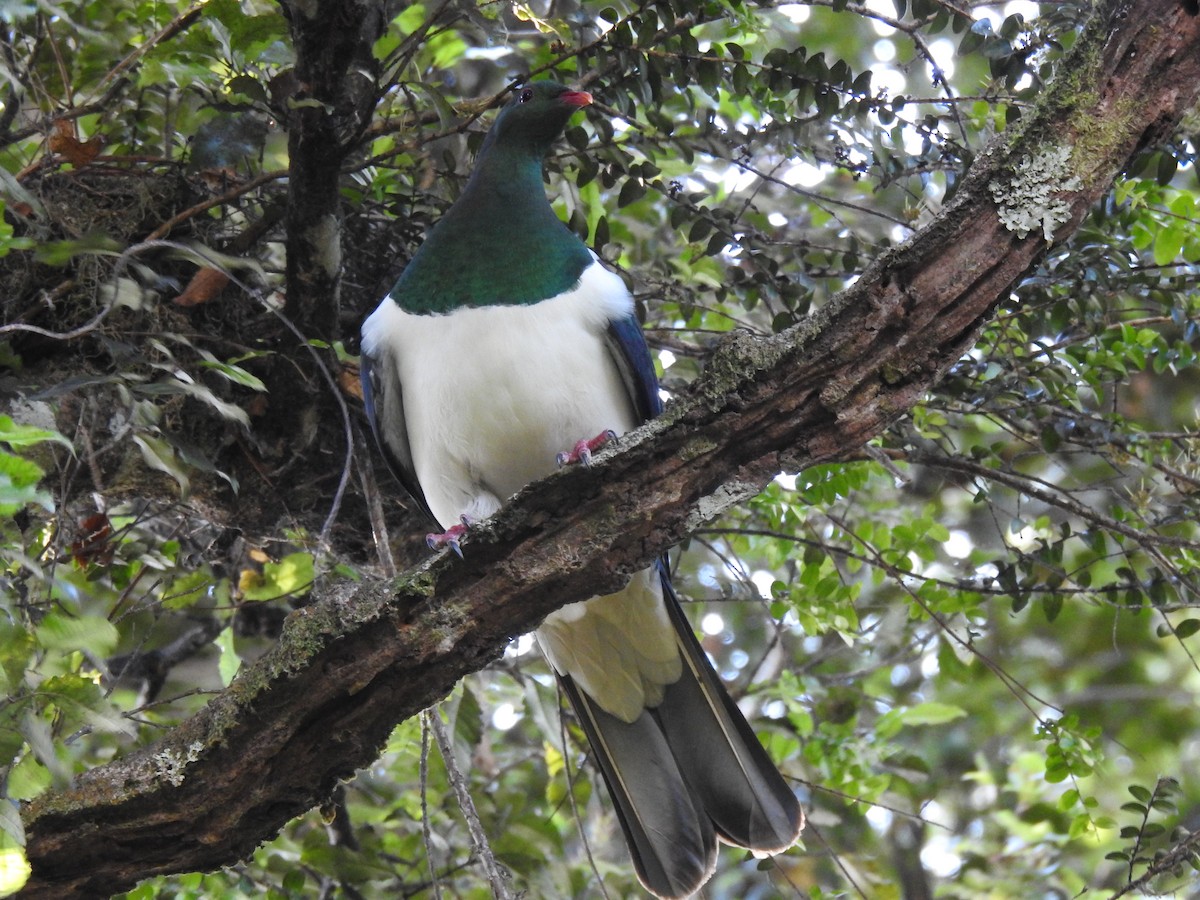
536 116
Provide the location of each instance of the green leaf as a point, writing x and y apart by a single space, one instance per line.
1168 244
230 662
293 882
95 634
28 779
468 721
160 455
185 386
1080 825
938 532
1187 628
292 575
16 646
19 479
448 48
17 435
708 74
931 713
59 253
1052 605
235 373
631 191
1139 792
445 111
602 234
14 870
12 831
187 590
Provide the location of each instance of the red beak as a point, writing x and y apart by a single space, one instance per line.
576 98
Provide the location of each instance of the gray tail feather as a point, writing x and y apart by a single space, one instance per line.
672 842
688 772
735 780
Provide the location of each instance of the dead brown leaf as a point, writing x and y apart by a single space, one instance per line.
65 142
205 285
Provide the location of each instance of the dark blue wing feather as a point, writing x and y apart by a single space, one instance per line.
628 346
381 385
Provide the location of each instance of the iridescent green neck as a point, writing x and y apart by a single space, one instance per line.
499 245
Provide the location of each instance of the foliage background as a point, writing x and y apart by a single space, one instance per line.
971 647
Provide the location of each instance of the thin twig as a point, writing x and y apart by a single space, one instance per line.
1051 495
168 31
68 90
479 842
426 828
399 58
47 122
339 494
374 508
228 197
92 324
1179 855
587 847
1022 694
811 828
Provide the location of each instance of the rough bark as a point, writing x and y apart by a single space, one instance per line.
366 656
335 94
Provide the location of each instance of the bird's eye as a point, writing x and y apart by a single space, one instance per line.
526 95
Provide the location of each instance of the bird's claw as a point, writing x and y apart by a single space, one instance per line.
582 451
451 537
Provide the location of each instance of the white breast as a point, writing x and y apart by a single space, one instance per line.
492 395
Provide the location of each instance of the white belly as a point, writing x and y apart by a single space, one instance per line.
492 395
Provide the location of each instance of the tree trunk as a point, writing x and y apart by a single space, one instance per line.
335 95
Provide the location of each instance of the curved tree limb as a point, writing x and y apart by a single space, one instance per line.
364 657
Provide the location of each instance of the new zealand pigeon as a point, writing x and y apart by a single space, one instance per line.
504 342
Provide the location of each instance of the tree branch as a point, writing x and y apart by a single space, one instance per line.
322 703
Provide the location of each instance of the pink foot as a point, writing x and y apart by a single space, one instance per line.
582 451
451 537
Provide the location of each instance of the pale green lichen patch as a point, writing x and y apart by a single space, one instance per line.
1027 199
